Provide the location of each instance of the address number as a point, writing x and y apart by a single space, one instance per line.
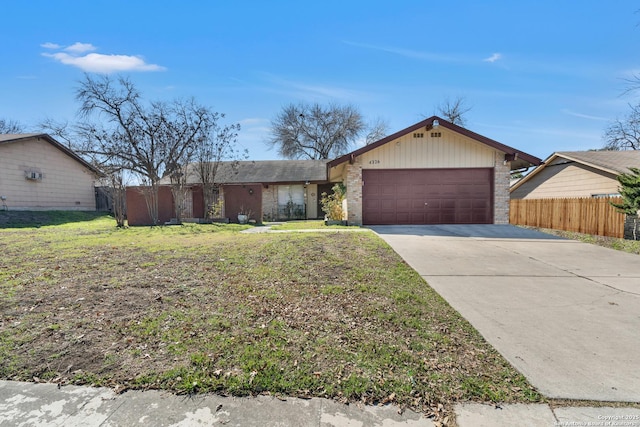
374 162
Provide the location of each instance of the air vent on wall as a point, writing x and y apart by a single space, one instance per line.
33 175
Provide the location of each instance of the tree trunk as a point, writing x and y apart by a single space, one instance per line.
150 194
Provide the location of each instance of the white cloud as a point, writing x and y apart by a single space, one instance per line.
78 47
253 121
307 91
584 116
493 58
49 45
414 54
97 62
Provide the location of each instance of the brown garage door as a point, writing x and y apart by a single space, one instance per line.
427 196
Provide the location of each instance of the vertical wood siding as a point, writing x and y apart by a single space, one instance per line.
451 150
582 215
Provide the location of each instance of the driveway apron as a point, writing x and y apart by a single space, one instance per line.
566 314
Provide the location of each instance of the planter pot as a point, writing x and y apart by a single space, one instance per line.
243 219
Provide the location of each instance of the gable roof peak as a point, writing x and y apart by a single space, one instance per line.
437 121
9 138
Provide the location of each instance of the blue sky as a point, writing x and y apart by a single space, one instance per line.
541 76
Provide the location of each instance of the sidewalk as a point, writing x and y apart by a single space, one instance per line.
43 405
541 415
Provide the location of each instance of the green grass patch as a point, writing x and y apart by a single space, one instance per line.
204 308
630 246
306 225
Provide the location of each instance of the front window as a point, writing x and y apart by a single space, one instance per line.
291 204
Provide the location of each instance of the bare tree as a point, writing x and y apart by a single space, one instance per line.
210 152
313 131
624 134
179 189
61 131
151 140
377 129
117 193
454 110
10 127
632 84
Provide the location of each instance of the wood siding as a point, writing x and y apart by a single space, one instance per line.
566 180
582 215
451 150
65 183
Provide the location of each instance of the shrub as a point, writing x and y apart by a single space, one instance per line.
332 203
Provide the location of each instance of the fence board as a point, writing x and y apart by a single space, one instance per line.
588 215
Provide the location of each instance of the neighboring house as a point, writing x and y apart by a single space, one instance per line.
39 173
270 189
576 174
433 172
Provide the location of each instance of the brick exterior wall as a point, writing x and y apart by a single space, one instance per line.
501 176
137 212
270 203
354 192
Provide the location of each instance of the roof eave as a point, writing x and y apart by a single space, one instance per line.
590 164
428 123
60 147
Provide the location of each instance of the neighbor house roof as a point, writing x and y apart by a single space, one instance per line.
266 172
610 162
519 159
11 138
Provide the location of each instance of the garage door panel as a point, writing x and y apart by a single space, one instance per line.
404 205
452 196
387 189
371 204
387 205
420 206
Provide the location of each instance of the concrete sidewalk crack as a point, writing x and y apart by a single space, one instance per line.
553 412
112 412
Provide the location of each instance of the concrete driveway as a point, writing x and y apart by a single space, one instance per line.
565 314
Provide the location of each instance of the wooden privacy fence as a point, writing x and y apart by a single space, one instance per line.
583 215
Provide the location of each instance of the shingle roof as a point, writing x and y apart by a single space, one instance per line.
611 161
6 137
266 171
273 171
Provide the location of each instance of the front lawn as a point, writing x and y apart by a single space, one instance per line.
630 246
203 308
306 225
